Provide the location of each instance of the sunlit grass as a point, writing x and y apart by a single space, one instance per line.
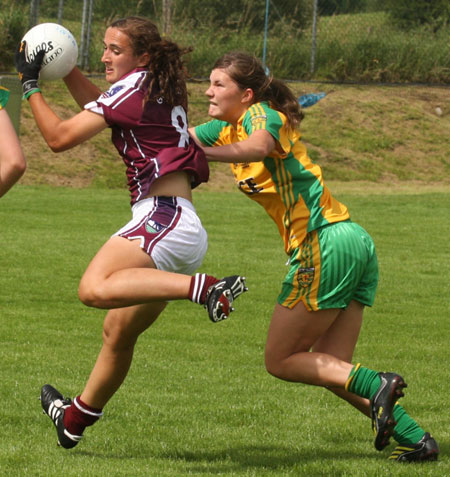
198 400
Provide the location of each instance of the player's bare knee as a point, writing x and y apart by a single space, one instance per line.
85 294
273 365
93 295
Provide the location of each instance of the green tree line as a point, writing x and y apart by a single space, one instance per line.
369 40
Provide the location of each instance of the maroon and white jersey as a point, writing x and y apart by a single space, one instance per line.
153 140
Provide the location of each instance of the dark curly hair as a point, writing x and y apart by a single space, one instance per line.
166 71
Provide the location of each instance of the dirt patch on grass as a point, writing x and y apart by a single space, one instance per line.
380 134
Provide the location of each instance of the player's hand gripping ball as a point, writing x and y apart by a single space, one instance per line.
59 46
28 72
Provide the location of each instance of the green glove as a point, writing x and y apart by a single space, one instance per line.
28 72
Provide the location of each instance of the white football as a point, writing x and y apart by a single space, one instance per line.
60 46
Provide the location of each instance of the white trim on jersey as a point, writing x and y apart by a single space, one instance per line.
136 171
118 92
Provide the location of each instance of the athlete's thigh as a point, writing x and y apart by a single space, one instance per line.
117 253
296 329
341 337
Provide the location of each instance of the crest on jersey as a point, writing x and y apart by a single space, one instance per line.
305 277
113 91
153 227
259 119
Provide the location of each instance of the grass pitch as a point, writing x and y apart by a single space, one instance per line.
198 400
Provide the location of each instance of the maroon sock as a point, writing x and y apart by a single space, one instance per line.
200 283
79 416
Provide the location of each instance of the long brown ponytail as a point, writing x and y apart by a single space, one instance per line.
166 71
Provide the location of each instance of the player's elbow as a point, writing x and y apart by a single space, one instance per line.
11 171
19 165
258 154
57 144
64 137
258 149
265 148
57 148
16 165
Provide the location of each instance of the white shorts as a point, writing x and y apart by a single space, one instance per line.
170 232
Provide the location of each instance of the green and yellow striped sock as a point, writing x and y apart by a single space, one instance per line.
362 381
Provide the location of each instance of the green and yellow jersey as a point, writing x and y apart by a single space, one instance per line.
4 96
287 184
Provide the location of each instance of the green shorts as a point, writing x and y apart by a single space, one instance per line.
335 264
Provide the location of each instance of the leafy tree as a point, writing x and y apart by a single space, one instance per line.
238 15
13 24
408 14
336 7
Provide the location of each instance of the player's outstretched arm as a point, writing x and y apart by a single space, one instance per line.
253 149
12 160
63 134
59 134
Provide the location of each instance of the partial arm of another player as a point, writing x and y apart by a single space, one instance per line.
12 160
253 149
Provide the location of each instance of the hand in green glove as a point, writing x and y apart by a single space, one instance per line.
28 71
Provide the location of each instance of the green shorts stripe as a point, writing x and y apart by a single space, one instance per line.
334 265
